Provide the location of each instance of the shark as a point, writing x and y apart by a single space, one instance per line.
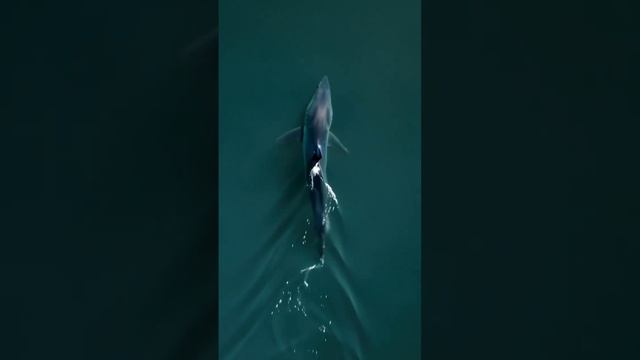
316 137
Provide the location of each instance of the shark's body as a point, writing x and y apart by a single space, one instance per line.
315 134
315 140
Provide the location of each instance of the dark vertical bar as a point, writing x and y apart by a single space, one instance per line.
530 192
108 242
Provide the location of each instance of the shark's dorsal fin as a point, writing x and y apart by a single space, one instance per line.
333 140
290 135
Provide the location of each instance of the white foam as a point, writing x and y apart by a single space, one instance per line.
332 195
315 171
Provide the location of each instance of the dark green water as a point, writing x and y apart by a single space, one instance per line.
365 303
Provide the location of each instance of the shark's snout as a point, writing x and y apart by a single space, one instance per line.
323 94
324 84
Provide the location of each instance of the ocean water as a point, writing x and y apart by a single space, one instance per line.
365 302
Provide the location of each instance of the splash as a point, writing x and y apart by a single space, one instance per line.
332 195
291 304
315 171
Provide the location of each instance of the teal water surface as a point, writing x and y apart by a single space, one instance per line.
365 302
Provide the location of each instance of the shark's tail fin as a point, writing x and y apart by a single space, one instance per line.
319 264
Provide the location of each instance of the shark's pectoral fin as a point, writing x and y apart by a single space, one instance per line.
333 140
295 133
